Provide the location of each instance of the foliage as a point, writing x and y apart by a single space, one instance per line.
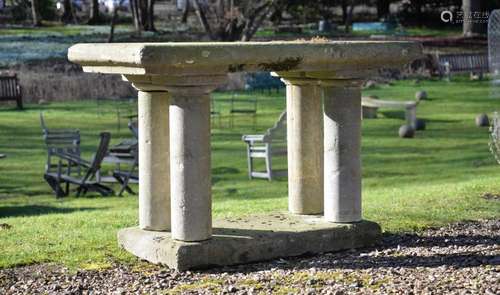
408 184
228 20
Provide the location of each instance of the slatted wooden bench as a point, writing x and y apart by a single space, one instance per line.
474 63
10 89
268 145
371 105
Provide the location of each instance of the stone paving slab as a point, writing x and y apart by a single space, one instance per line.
244 240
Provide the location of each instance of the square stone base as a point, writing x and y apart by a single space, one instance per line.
250 239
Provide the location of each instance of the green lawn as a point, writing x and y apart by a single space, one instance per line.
436 178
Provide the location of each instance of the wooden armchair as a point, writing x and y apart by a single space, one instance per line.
66 141
266 146
86 182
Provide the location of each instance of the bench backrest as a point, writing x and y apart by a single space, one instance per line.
9 87
457 63
66 140
278 131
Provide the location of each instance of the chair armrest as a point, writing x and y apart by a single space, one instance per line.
72 158
253 137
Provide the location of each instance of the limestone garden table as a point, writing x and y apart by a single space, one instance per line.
175 80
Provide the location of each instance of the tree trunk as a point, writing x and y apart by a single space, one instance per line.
472 26
34 11
185 11
344 5
348 17
201 9
150 16
68 16
112 24
383 8
94 12
134 8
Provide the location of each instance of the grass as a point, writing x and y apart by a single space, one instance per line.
311 31
408 184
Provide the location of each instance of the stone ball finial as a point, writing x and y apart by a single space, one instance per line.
406 131
421 95
482 120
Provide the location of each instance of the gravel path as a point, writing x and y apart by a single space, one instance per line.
462 258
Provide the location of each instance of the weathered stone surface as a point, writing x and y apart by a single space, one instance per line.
255 238
342 147
154 172
188 72
305 146
190 165
406 131
421 95
346 59
482 120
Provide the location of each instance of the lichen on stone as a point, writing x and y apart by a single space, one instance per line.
286 64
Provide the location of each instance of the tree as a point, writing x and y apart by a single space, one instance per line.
35 13
383 8
94 12
232 20
68 15
143 15
472 27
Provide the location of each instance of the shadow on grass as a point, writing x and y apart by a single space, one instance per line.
10 190
34 210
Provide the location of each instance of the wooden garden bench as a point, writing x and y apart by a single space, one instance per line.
271 143
10 89
371 105
474 63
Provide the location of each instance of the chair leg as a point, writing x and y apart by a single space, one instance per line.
124 184
102 189
56 188
19 103
269 168
79 191
250 162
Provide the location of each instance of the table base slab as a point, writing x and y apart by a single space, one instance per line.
251 239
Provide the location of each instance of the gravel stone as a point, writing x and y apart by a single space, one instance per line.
461 258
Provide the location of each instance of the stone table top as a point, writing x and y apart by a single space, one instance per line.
341 59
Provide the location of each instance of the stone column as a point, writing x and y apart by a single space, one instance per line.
154 166
342 149
190 166
305 145
154 156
